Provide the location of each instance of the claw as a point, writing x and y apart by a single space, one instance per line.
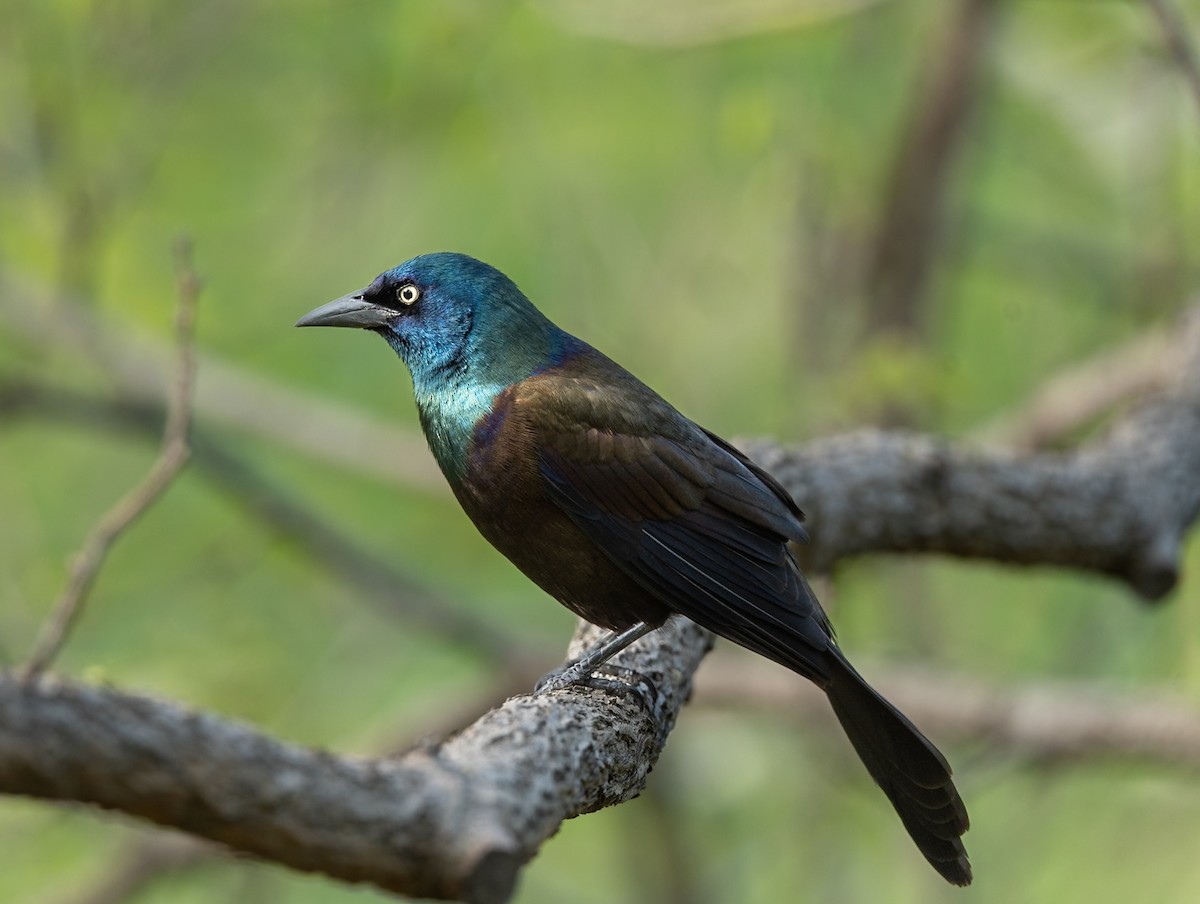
622 682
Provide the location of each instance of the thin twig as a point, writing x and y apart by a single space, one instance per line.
380 580
1179 44
171 458
138 369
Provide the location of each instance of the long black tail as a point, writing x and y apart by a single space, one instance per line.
910 770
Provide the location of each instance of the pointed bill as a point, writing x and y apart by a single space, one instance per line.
349 310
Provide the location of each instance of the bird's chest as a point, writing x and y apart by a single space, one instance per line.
501 485
502 490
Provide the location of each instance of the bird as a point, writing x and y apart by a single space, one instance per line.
624 510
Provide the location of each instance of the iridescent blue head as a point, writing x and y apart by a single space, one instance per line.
465 331
448 316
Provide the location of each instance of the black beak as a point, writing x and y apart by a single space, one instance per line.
349 310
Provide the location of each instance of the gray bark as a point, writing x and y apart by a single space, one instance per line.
455 820
1120 506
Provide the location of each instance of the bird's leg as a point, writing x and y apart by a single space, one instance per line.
581 669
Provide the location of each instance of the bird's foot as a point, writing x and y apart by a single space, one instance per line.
622 682
611 679
591 669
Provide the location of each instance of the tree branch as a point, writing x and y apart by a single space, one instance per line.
458 819
380 581
904 250
225 394
1118 506
454 820
172 456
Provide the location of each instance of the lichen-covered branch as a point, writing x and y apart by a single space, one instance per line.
454 820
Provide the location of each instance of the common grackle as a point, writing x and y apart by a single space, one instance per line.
623 509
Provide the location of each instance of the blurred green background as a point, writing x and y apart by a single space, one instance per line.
699 189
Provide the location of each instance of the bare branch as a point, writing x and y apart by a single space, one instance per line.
377 578
455 820
1045 722
458 819
906 245
171 459
1119 506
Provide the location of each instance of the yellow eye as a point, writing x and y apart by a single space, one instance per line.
408 294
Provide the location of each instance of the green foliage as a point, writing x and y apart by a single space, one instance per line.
664 200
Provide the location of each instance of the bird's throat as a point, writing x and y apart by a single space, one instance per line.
448 417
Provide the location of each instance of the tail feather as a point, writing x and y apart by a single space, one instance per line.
907 767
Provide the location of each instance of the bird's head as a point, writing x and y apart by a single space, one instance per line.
446 314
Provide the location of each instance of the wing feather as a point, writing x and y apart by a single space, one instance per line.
695 524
